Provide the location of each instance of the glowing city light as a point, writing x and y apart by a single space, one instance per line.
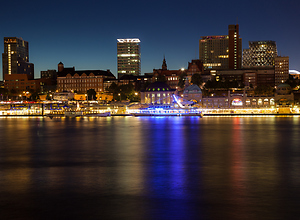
294 72
133 40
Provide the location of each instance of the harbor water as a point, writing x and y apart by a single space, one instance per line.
150 168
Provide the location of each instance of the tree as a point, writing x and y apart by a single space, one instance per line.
264 90
292 82
123 92
181 80
196 79
34 96
91 94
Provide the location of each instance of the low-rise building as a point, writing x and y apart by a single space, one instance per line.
158 93
192 92
20 83
82 81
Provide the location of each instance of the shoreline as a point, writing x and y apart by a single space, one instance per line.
204 115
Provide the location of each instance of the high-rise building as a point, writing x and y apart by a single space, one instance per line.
281 69
129 57
234 47
222 51
260 54
15 59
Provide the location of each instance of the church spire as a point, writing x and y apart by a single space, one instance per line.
164 65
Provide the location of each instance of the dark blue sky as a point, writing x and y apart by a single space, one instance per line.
84 33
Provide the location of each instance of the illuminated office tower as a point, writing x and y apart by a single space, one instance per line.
281 69
129 57
222 51
15 59
260 54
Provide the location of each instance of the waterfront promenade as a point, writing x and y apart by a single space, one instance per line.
58 109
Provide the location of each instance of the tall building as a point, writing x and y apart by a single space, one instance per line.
234 47
281 69
222 51
129 57
260 54
15 59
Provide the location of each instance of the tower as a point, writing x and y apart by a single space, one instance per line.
221 51
260 54
164 65
15 59
60 67
281 69
129 57
234 47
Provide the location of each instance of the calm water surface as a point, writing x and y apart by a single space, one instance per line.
150 168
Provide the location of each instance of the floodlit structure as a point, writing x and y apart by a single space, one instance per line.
260 54
15 59
281 70
223 51
129 57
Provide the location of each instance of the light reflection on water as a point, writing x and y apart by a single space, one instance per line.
150 168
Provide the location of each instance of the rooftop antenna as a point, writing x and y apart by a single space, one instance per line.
237 20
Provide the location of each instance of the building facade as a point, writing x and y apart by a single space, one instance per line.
15 59
194 67
234 47
171 76
82 81
19 83
158 93
237 101
223 51
246 77
260 54
281 69
49 74
129 57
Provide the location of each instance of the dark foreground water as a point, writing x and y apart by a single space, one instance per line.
150 168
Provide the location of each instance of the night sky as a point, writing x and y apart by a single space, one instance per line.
84 33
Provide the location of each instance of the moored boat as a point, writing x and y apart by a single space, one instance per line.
166 112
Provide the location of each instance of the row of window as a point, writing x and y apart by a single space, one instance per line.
78 80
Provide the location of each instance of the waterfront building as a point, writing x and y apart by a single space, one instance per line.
82 81
15 59
69 79
260 54
63 96
19 83
281 69
284 97
222 51
158 93
129 57
237 101
192 93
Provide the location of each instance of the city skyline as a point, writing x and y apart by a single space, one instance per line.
85 35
